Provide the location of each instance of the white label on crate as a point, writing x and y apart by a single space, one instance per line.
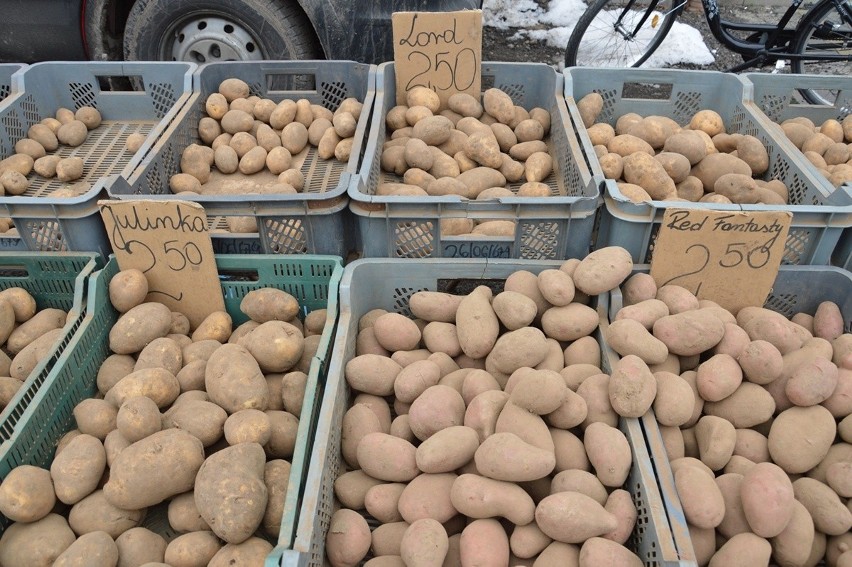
730 257
168 241
441 51
476 249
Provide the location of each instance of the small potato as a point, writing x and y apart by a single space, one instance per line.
590 107
14 183
44 136
46 166
294 137
69 169
538 166
499 105
88 116
127 289
233 89
687 143
708 121
253 161
30 147
26 494
72 133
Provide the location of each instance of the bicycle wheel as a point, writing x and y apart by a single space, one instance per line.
823 31
612 33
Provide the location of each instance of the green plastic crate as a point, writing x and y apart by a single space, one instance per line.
312 280
55 280
388 284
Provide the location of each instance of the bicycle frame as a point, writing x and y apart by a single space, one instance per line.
775 39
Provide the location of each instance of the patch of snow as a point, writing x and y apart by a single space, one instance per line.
554 25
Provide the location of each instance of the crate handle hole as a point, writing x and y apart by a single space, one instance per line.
13 271
240 275
647 91
290 82
121 83
464 286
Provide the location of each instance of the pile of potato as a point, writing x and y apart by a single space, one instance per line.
201 421
497 455
28 335
754 413
653 158
827 146
470 149
247 134
31 153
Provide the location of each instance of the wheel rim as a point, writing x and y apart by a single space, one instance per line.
605 43
209 39
828 35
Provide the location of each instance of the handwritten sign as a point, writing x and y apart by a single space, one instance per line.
730 257
169 243
438 50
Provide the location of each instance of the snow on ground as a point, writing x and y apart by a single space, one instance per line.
553 25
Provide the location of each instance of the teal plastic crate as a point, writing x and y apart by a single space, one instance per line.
547 228
55 280
796 289
311 222
388 283
157 90
819 213
312 280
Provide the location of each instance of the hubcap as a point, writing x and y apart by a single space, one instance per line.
206 40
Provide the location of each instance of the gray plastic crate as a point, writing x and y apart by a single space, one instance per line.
310 222
6 72
551 228
388 284
819 215
778 99
156 92
797 289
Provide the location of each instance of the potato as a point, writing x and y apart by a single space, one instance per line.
135 477
505 456
425 544
72 133
21 163
477 323
767 499
590 107
632 387
688 144
433 130
26 494
484 542
829 514
269 304
499 105
800 437
627 144
572 517
602 270
140 546
192 549
137 418
35 544
714 166
234 380
447 450
232 89
95 544
14 183
480 497
387 458
690 332
230 493
253 551
630 337
538 166
46 166
294 137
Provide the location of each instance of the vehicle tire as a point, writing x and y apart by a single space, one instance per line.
595 41
205 31
822 29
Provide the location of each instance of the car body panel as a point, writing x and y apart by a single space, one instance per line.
41 30
51 30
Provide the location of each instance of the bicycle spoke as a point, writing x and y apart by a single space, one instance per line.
824 47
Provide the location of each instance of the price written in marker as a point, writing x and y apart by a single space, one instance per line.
729 257
441 51
169 243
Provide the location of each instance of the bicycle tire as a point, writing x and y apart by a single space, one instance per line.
813 32
597 25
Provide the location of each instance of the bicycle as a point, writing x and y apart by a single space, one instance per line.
625 33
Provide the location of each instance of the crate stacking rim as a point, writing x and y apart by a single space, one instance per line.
796 289
133 98
778 99
308 222
819 214
555 227
312 280
388 284
55 280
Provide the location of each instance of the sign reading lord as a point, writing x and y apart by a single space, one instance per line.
441 51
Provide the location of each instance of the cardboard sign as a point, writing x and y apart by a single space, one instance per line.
168 241
730 257
438 50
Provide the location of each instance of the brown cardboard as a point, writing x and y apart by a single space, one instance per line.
730 257
438 50
168 241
